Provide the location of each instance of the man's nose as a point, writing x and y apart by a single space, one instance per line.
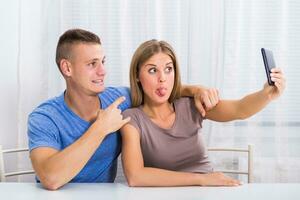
101 69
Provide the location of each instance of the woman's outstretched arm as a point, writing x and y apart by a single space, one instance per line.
228 110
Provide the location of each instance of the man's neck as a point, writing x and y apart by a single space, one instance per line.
85 106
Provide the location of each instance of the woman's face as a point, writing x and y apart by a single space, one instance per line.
156 76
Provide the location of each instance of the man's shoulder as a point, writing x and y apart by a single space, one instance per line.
110 94
49 106
116 91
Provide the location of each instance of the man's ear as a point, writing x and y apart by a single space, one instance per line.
65 67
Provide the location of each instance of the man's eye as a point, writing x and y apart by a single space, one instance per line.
103 62
93 64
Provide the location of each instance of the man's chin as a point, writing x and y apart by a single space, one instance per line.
98 89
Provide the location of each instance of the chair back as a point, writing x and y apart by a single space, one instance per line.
3 173
249 153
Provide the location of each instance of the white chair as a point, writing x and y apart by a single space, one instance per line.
248 151
3 173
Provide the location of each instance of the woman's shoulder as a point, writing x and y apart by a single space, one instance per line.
186 107
136 111
136 117
184 101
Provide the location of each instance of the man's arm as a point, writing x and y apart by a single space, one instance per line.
56 168
205 98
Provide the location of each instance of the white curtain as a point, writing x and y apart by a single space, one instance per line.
29 32
217 43
249 26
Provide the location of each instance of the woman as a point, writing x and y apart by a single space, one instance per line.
161 145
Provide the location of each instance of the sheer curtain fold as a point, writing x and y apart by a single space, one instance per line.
29 40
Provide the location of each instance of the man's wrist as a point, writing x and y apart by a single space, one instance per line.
192 90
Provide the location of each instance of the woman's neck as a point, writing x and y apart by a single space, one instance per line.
158 111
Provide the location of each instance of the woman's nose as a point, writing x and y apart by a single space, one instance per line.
162 77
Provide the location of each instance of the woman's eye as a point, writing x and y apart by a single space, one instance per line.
169 69
152 70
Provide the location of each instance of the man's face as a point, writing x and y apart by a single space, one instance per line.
87 68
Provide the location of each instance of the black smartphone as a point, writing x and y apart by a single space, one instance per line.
269 63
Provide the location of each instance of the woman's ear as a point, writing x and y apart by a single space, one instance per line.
65 67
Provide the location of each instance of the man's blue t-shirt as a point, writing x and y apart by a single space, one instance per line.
53 124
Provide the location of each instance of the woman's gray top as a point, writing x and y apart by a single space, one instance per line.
179 148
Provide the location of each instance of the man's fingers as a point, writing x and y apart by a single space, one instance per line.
210 99
214 98
200 108
117 102
206 101
125 121
99 112
217 97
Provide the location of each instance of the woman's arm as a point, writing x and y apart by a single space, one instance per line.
228 110
138 175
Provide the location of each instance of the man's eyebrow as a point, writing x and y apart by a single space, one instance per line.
94 59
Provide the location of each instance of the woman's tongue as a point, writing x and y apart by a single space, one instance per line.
161 92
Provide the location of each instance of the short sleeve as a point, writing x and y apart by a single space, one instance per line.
134 119
186 107
195 113
42 132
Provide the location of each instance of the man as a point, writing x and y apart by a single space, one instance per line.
74 137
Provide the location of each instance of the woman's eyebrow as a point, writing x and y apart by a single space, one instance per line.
153 65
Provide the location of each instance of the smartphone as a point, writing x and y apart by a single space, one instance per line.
269 63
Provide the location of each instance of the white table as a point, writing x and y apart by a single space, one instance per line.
108 191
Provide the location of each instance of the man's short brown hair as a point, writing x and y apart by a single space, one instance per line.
71 37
